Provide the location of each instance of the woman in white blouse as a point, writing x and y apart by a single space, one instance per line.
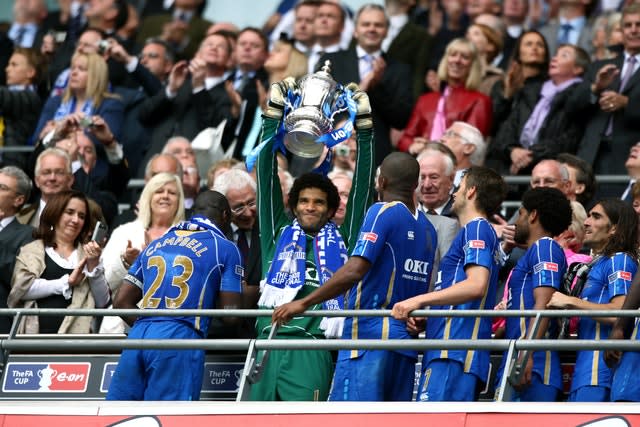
61 268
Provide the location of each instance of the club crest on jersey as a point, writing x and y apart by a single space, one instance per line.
371 237
624 275
549 266
410 235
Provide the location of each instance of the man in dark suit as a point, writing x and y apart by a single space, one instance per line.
186 107
387 82
251 52
26 27
15 187
183 29
571 26
407 42
240 190
609 100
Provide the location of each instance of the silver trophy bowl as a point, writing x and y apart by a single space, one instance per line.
307 123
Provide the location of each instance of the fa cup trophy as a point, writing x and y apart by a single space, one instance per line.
312 117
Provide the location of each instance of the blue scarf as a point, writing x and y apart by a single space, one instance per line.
199 223
287 272
69 107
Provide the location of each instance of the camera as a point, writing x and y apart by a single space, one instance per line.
342 151
86 122
103 45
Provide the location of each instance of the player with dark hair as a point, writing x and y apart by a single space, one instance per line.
545 213
300 256
611 233
392 261
467 280
192 266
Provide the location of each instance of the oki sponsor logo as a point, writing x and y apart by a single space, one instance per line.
46 377
416 266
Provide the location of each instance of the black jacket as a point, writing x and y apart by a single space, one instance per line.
560 132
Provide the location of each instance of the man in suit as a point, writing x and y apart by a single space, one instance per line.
328 25
240 190
250 54
387 82
26 28
183 29
407 42
609 100
15 187
437 169
187 106
570 27
467 144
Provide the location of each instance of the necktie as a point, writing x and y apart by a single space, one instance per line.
22 30
565 30
628 72
241 81
243 245
75 24
367 66
432 212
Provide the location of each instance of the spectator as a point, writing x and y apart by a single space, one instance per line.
250 54
240 190
218 168
60 269
407 42
87 93
467 280
343 184
528 65
52 175
544 213
372 270
612 235
514 16
539 126
489 45
607 36
437 172
187 106
160 208
327 31
15 187
386 81
19 102
459 71
206 282
467 144
26 27
183 29
304 18
607 101
582 181
285 60
570 27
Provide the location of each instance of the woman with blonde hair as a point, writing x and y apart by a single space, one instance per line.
85 96
458 99
285 60
161 206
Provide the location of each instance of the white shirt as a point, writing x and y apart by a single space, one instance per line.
396 23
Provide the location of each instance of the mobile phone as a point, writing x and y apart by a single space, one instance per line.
342 151
99 232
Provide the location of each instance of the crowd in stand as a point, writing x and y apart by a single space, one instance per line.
101 92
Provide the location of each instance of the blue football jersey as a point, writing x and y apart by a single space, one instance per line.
185 269
400 247
543 264
475 244
609 277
